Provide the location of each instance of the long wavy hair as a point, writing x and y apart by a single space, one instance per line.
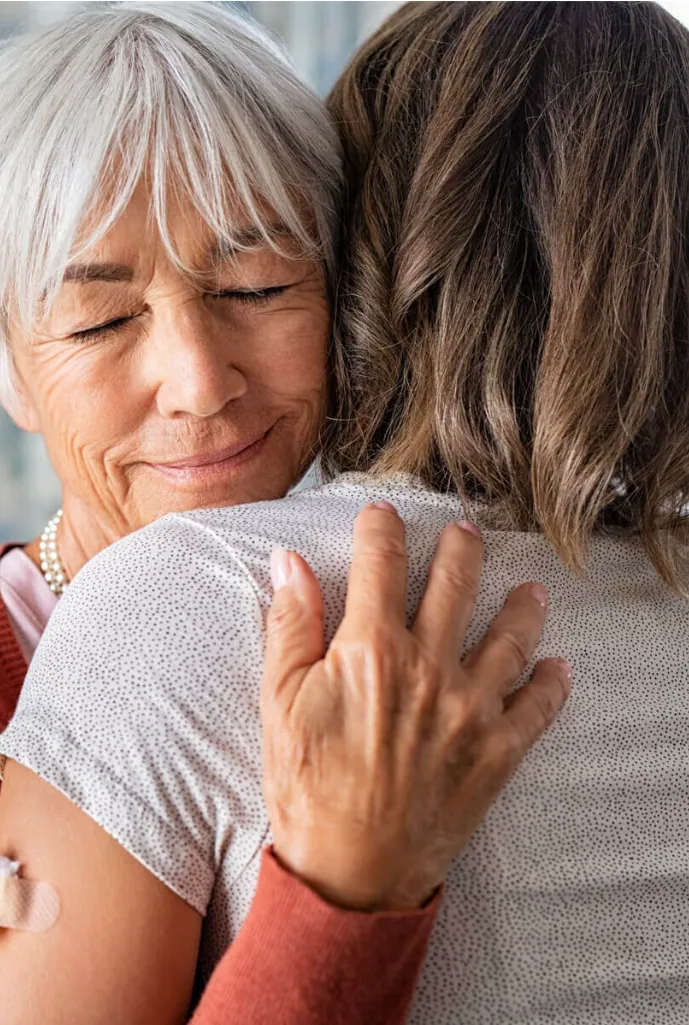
513 316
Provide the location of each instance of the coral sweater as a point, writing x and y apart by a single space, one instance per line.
296 960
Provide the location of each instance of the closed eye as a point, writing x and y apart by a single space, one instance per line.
100 330
251 296
247 296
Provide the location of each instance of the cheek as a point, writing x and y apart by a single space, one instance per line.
82 401
294 366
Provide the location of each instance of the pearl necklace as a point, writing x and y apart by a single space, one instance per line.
53 570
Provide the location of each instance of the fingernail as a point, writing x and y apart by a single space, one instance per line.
388 506
280 568
471 528
539 592
566 669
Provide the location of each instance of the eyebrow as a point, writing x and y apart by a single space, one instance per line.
80 273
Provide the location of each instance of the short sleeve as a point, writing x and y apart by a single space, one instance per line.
143 695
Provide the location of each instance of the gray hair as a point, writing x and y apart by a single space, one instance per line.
196 96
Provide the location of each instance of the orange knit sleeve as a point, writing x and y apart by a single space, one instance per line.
298 960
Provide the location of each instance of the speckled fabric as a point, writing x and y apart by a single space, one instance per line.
570 906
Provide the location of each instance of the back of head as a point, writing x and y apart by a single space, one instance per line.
513 317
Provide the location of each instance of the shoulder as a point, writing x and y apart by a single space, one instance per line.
156 640
147 613
142 693
170 568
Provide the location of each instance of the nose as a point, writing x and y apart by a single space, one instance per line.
192 364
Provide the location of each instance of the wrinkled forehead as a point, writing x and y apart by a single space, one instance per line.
186 240
179 223
139 243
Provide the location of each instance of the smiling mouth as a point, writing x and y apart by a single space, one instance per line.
206 466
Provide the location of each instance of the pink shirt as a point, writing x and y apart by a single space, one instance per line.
28 599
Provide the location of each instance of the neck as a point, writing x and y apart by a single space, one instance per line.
81 535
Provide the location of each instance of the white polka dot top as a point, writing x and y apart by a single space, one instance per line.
571 904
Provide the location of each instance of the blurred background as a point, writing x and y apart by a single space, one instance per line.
320 37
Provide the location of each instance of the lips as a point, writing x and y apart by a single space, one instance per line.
211 468
208 458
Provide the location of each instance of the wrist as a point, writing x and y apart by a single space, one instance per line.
352 891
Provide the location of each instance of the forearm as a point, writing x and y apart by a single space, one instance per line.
299 961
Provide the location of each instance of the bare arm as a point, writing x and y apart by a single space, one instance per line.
124 949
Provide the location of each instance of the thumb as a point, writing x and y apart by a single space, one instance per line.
295 638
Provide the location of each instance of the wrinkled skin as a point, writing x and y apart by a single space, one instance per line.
383 754
181 371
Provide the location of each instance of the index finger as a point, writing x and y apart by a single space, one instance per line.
377 585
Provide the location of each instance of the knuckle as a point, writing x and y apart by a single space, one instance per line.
374 650
425 680
456 579
505 750
514 648
379 641
282 616
466 717
383 545
457 712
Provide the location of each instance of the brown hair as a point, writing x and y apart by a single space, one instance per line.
513 315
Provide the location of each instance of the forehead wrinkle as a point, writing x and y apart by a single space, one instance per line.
249 237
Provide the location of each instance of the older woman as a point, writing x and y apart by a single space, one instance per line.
513 323
164 280
194 113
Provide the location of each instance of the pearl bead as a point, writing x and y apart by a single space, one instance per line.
50 557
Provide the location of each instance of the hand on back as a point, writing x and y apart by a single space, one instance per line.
383 753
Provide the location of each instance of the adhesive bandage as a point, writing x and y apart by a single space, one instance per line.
24 904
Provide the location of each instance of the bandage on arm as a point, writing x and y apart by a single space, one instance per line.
123 948
24 903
